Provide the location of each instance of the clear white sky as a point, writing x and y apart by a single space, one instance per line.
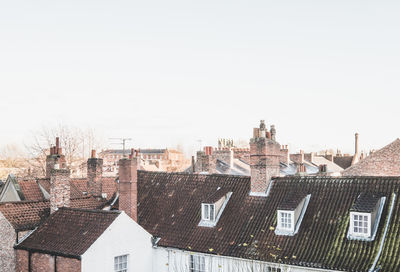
169 72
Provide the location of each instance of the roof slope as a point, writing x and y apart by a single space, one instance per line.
384 162
169 207
30 189
26 215
69 232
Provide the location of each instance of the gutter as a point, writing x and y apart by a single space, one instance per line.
372 269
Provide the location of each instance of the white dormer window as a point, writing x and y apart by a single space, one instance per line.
365 216
208 212
361 224
286 220
212 209
290 213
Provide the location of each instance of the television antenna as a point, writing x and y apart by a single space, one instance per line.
122 141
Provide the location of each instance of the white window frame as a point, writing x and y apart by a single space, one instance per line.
206 213
352 225
117 263
280 222
197 263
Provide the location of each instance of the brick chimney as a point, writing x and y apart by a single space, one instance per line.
59 188
94 174
206 161
55 157
128 186
356 156
264 160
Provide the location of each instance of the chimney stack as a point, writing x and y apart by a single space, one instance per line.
128 186
94 174
55 157
264 161
59 189
356 151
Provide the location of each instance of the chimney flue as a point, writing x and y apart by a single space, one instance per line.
356 145
128 186
93 155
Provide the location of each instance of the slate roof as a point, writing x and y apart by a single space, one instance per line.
169 207
384 162
366 202
343 161
26 215
69 232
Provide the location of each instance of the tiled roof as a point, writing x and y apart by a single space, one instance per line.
169 207
79 186
366 202
25 215
69 232
344 161
30 190
384 162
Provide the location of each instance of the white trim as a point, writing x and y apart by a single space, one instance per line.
384 235
209 223
372 229
280 231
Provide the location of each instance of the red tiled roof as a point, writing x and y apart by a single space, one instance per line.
384 162
69 232
25 215
30 190
170 207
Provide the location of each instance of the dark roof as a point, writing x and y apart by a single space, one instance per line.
343 161
217 195
291 200
169 207
366 202
69 232
26 215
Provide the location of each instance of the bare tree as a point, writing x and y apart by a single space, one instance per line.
75 142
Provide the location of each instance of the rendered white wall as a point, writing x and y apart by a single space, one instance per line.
123 236
175 260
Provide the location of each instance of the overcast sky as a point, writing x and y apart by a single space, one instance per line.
174 72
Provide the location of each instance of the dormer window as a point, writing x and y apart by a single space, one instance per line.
213 206
286 220
290 213
365 216
208 213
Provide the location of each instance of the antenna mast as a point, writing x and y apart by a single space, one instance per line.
122 142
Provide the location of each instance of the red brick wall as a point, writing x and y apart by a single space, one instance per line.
45 263
22 260
94 173
264 163
68 265
59 189
128 187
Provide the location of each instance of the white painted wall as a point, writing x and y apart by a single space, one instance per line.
123 236
175 260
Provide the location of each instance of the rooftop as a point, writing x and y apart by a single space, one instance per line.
69 232
169 207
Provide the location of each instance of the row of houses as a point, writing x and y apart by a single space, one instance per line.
159 221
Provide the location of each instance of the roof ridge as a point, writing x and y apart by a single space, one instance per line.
91 210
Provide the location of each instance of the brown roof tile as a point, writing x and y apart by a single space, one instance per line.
384 162
31 190
25 215
69 232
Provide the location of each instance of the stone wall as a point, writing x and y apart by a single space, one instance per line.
7 241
